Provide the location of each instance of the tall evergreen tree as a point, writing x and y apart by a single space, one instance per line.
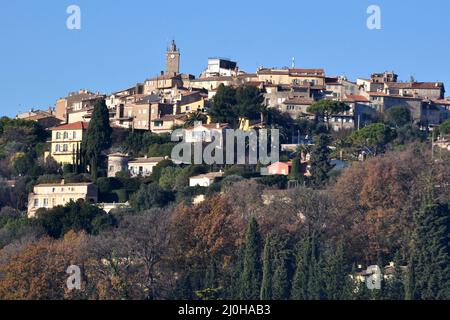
280 284
320 161
235 290
98 136
410 281
431 260
336 274
296 171
252 269
300 281
315 274
266 285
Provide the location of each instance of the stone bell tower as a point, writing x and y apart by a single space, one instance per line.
173 60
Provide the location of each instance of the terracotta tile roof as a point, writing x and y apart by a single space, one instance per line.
355 98
80 125
299 101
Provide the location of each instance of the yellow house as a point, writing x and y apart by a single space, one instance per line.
66 142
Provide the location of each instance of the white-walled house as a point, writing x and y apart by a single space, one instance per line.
204 180
143 166
52 195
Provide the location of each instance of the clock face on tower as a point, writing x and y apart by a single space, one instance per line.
172 56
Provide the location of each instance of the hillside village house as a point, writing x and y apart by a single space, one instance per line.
76 104
205 132
66 142
314 77
117 162
280 168
166 123
47 119
143 167
205 180
190 102
51 195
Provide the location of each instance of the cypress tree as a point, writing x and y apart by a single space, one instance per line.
300 281
236 291
336 274
431 259
280 286
98 136
410 282
296 169
315 274
280 278
252 273
266 286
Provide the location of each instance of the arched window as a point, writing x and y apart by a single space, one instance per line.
66 135
65 148
74 135
58 135
57 148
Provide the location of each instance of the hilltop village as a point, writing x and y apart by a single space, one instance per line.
362 166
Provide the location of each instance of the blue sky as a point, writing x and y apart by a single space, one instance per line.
123 42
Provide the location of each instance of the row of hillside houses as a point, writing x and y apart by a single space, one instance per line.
51 195
164 102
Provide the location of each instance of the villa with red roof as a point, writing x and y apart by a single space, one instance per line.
66 142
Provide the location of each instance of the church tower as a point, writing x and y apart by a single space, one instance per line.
173 60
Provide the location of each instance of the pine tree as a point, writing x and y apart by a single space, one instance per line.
431 259
320 162
300 281
98 136
252 273
266 286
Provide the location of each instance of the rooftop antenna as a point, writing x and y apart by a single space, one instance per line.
293 62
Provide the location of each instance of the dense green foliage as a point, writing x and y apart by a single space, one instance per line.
76 216
230 104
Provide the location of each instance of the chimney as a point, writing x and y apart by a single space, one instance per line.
218 125
63 182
